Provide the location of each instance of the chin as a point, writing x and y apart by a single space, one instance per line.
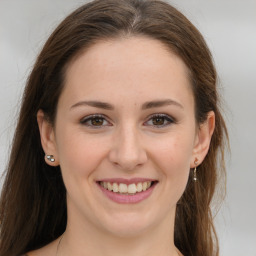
130 225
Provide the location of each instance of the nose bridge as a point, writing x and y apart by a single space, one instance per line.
127 151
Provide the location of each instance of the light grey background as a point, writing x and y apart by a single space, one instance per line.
229 26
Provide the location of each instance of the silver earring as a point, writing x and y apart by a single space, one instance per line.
50 158
194 174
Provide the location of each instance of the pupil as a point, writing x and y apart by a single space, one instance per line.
97 121
158 121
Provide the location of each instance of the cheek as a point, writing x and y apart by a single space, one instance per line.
172 156
79 155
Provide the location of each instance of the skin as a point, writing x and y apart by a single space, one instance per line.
126 73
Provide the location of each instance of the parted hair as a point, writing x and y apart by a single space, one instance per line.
33 198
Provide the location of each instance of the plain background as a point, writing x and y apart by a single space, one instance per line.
229 27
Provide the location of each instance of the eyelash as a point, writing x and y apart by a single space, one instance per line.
89 118
166 118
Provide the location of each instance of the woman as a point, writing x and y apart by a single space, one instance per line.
116 147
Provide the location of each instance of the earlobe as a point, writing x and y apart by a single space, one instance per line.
47 139
203 140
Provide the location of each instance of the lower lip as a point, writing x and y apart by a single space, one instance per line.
127 199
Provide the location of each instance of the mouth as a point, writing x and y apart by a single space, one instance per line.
127 189
123 191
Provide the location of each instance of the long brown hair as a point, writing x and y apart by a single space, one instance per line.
33 199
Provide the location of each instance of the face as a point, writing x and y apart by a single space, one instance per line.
125 121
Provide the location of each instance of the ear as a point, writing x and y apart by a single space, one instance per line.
47 139
203 140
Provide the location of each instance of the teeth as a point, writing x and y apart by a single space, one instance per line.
126 189
110 187
132 189
123 188
139 187
115 187
144 186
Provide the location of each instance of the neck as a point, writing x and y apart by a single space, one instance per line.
86 239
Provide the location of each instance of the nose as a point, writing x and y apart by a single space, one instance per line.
127 151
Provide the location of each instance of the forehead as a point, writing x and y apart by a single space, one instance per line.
135 67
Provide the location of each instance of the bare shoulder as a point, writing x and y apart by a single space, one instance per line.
48 250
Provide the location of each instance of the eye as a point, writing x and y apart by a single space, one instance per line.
159 120
95 121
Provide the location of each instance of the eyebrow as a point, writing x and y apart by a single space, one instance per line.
160 103
96 104
146 105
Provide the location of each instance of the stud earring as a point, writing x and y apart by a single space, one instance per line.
194 174
50 158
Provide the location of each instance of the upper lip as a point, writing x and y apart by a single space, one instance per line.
126 181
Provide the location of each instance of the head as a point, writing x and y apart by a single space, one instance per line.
151 29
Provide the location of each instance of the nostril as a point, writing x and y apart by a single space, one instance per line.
127 155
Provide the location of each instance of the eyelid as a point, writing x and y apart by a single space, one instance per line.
90 117
166 116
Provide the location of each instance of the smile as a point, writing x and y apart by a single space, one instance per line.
127 189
